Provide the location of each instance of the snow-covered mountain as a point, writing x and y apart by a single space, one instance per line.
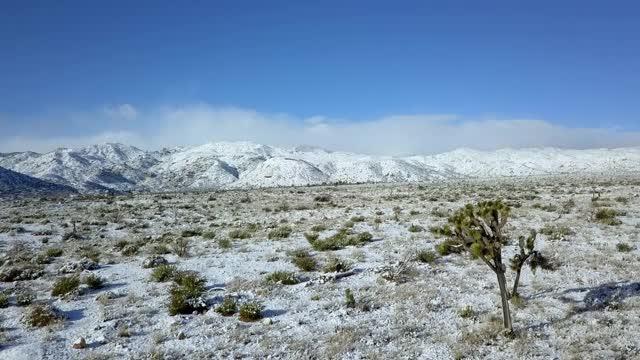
12 182
243 164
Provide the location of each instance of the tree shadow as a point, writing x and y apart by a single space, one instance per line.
603 296
269 313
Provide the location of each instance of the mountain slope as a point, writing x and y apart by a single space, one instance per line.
12 182
120 167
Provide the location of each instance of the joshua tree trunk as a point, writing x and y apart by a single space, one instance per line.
504 295
515 282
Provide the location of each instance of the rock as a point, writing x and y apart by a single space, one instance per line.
80 344
78 266
267 321
181 335
154 261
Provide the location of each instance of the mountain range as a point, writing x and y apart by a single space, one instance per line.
225 165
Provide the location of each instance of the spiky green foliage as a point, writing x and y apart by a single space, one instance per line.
186 293
228 307
478 229
350 299
281 232
251 311
65 285
528 254
283 277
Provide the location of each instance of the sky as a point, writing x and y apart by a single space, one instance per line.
384 77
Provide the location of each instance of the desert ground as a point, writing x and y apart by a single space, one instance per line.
323 272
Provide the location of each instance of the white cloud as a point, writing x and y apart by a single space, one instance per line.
420 134
123 111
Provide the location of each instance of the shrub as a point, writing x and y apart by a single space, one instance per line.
94 281
357 219
311 236
340 240
281 232
4 300
304 261
251 311
163 273
467 312
161 249
191 233
225 243
283 277
41 315
556 232
350 300
228 307
415 228
65 285
426 256
186 293
607 216
449 246
322 198
209 235
130 250
336 264
54 252
318 228
239 234
181 247
25 297
623 247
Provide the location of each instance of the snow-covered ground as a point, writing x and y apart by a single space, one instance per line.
589 308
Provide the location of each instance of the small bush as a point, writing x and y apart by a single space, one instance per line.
607 216
209 235
426 256
556 232
281 232
225 244
415 228
251 311
186 293
4 300
94 281
181 247
318 228
467 312
304 261
163 273
54 252
130 250
41 315
340 240
25 297
449 246
336 264
191 233
350 299
65 285
624 247
228 307
357 219
283 277
239 234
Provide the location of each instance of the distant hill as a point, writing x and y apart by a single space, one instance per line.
229 165
13 183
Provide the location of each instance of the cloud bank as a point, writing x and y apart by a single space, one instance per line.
393 135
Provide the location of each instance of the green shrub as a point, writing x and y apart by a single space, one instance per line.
281 232
283 277
209 235
65 285
228 307
449 246
318 228
303 260
24 298
239 234
623 247
607 216
130 250
186 293
556 232
350 299
467 312
336 264
311 236
357 219
415 228
225 244
163 273
41 315
251 311
4 300
181 247
191 233
54 252
340 240
426 256
94 281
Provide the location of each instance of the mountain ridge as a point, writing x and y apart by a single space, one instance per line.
225 165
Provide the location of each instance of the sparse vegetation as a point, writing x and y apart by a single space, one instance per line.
251 311
65 286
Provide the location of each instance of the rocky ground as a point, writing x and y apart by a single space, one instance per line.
156 276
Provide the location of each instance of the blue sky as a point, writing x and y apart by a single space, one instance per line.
78 71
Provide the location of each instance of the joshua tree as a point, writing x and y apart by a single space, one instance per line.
478 229
527 254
